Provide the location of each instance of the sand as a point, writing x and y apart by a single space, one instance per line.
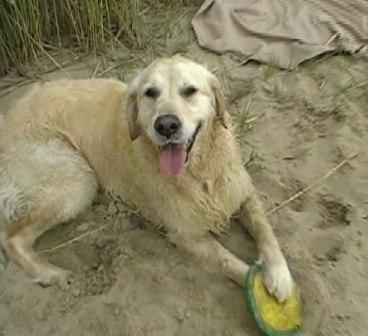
128 280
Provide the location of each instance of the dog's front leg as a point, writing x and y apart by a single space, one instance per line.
277 275
209 251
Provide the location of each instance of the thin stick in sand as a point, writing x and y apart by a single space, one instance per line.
315 183
96 69
69 242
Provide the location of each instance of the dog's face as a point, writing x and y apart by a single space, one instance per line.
172 101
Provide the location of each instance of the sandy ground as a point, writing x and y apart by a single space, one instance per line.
293 128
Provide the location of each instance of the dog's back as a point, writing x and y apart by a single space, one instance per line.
66 106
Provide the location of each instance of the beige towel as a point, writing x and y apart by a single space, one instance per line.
282 32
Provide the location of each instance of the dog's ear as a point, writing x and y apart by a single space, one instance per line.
132 113
220 102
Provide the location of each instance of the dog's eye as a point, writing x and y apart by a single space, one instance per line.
152 92
189 91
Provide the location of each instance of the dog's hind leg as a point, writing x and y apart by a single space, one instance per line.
59 185
18 241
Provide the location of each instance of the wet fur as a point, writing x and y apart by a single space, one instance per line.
65 140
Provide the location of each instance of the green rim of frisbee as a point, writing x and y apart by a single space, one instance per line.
254 307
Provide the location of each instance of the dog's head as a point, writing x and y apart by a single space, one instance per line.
171 102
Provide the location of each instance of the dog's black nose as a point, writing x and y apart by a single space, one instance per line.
167 125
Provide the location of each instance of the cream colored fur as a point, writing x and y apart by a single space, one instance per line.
66 139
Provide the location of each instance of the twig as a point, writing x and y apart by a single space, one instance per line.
11 84
17 86
330 39
250 120
88 233
69 242
358 85
19 83
303 191
113 67
96 69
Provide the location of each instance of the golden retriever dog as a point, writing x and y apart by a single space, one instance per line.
163 143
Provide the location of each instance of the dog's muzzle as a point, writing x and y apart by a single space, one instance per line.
173 155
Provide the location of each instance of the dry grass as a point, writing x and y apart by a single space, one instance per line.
29 28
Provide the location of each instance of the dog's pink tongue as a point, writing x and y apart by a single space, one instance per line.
172 160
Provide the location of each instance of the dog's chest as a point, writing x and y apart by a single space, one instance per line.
197 205
188 203
223 194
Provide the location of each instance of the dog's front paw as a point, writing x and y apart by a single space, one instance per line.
278 281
